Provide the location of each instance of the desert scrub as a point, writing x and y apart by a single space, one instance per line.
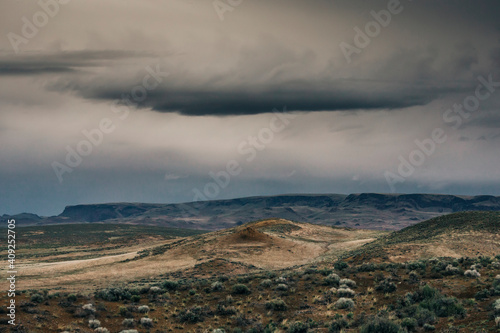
338 325
282 287
386 286
344 303
192 315
266 283
143 309
155 290
128 322
101 330
332 280
381 325
472 273
240 289
129 331
276 305
94 323
452 270
224 310
298 327
345 292
113 294
88 309
217 286
348 282
170 285
37 298
146 322
410 324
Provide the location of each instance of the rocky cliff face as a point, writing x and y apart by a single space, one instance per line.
366 210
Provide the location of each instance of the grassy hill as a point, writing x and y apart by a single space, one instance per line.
453 235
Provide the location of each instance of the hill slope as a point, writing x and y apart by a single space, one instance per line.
464 234
268 244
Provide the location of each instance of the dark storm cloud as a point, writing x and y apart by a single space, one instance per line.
62 62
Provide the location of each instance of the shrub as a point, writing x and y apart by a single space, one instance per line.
429 327
472 273
482 294
424 316
146 322
135 298
497 322
217 286
101 330
386 286
345 292
338 325
276 305
240 289
266 283
496 307
340 265
129 331
380 325
223 310
414 277
410 324
72 298
143 309
348 282
170 285
129 322
282 287
114 294
344 303
298 327
332 280
88 309
192 315
37 298
155 290
94 323
218 330
444 306
452 270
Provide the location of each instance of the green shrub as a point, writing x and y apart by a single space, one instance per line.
135 298
429 327
113 294
337 325
410 324
217 286
380 325
298 327
340 265
240 289
37 298
192 315
276 305
386 286
170 285
332 280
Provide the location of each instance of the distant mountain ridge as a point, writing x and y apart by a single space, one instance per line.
365 210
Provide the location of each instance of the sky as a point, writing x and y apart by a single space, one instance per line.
186 100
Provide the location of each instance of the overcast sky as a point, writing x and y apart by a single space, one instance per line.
146 100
